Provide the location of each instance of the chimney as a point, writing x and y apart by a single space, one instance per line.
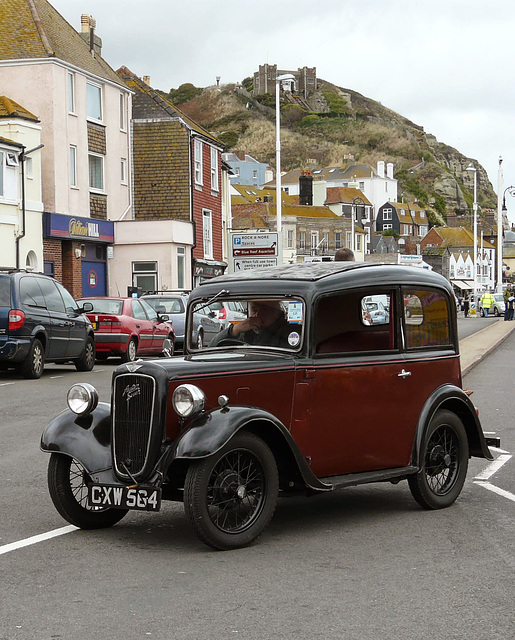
146 80
380 168
88 25
240 155
319 192
389 170
306 188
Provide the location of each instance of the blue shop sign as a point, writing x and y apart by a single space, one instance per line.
57 225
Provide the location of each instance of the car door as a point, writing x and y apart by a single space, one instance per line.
160 330
144 327
60 324
78 324
361 418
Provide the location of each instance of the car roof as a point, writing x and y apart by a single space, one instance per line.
292 279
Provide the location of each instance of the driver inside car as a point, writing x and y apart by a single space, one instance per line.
266 325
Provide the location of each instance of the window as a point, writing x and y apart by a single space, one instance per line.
53 299
302 240
358 241
387 226
30 293
198 161
361 186
73 165
144 275
422 214
122 112
94 101
137 310
8 175
71 92
207 233
426 316
387 214
214 169
123 170
181 266
29 168
96 172
337 240
290 238
314 239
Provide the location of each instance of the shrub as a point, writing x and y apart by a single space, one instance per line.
184 93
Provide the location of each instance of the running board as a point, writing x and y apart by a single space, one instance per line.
353 479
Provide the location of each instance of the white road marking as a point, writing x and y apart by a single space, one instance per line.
492 487
6 384
13 546
55 377
493 467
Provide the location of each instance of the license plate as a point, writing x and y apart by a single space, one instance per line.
95 325
142 498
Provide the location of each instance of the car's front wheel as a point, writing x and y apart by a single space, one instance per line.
230 497
68 486
86 362
444 462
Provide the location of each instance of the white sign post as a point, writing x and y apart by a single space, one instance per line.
253 250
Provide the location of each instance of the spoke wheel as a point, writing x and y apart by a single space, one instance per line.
444 457
68 486
230 497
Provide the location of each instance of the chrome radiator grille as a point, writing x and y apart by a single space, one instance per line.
133 413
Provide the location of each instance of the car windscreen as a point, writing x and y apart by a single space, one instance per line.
5 291
269 323
113 307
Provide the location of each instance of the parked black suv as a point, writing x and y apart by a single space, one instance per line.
40 321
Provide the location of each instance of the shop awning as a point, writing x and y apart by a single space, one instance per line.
463 284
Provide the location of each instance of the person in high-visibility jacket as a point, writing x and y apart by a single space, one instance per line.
487 301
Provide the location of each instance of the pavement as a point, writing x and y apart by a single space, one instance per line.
477 346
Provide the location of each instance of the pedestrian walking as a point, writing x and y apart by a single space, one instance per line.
466 304
487 301
508 303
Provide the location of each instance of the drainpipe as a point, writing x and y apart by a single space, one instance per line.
21 157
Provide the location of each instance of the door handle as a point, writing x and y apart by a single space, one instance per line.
404 374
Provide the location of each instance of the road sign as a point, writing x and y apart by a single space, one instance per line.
253 250
243 264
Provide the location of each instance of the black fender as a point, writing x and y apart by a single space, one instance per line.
209 432
451 397
85 438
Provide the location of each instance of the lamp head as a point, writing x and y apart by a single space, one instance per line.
471 167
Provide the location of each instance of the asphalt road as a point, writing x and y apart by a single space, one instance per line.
362 564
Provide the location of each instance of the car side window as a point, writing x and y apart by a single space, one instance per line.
355 321
69 302
426 318
151 313
53 299
137 310
30 293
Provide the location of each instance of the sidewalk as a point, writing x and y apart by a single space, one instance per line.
477 346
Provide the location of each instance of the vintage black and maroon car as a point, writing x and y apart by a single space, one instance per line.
305 395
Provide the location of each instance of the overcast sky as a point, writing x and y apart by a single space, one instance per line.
444 64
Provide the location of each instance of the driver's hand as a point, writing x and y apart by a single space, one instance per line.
250 324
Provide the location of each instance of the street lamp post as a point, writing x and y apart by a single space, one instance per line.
278 189
474 207
355 202
499 229
511 191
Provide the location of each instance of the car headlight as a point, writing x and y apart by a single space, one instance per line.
187 400
82 398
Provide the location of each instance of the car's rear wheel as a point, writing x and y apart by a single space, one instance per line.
132 349
86 362
33 365
444 462
496 312
230 497
67 483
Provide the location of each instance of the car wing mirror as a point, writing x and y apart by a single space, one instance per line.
87 307
164 317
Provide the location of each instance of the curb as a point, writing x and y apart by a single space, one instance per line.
476 347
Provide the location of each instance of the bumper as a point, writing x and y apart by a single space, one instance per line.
14 350
111 342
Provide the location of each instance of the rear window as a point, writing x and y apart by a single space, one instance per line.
166 305
114 307
5 291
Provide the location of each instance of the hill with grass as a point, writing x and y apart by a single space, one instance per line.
340 127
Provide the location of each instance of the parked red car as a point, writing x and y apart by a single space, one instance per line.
128 327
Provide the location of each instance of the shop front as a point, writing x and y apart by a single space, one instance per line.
206 269
76 252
